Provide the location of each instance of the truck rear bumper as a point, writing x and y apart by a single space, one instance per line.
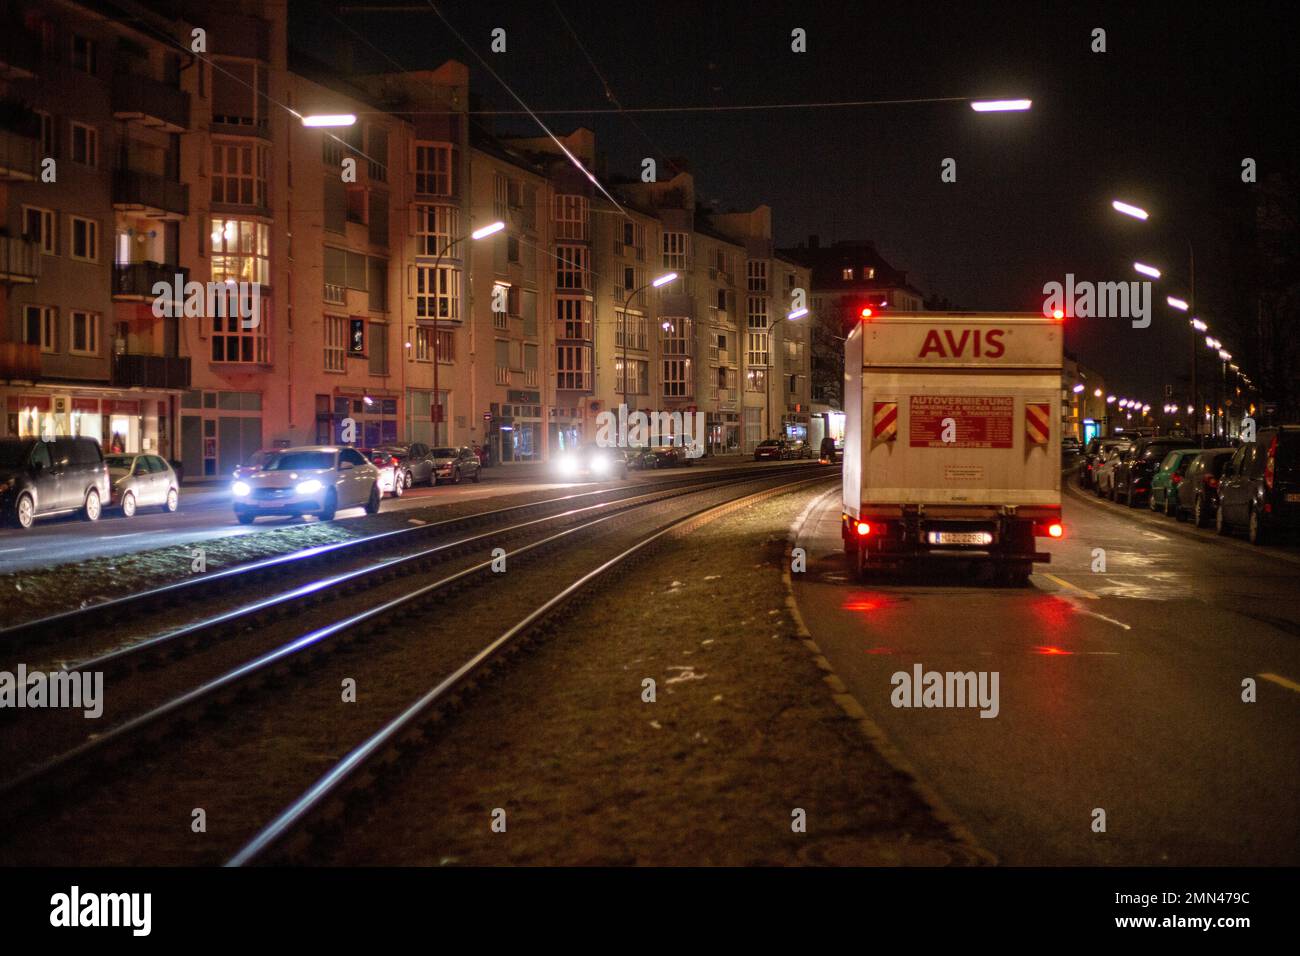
903 534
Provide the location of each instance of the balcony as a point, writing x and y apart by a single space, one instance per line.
241 126
17 156
155 196
19 360
503 376
18 56
530 378
20 261
134 282
140 99
150 371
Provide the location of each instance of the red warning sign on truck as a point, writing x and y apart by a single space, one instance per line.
966 421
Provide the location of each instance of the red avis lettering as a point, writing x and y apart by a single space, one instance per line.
982 344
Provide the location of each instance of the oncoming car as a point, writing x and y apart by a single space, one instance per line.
317 479
593 461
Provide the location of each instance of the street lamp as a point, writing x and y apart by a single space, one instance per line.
324 120
662 280
1000 106
482 233
793 316
1136 212
1147 270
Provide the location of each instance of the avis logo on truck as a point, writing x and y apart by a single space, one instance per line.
952 441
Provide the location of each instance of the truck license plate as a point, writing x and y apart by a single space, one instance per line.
1293 497
960 537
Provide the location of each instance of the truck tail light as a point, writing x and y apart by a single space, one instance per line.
1056 530
863 529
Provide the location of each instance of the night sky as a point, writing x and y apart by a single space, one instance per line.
1162 119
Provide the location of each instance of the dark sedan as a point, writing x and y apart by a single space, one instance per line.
773 449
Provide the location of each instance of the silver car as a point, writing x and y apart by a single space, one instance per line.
141 481
453 464
316 479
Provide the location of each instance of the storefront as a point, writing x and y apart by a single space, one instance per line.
515 431
723 433
119 421
219 431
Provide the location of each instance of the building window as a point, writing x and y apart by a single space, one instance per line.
846 275
868 272
421 340
437 295
39 326
434 170
756 380
675 251
446 346
85 144
435 227
633 377
49 144
757 272
675 335
631 331
231 342
572 267
85 333
570 217
38 227
756 349
240 251
573 367
239 173
573 318
677 377
378 348
757 312
84 55
500 195
336 343
85 239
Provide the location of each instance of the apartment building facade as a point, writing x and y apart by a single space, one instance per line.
92 116
356 304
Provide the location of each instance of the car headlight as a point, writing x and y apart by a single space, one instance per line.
569 465
240 488
308 487
600 464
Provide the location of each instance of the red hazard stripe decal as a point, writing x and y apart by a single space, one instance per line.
885 420
1037 415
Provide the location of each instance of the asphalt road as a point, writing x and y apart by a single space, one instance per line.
1119 690
205 514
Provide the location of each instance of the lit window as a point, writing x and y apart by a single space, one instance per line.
240 251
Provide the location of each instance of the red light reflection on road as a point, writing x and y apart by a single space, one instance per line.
1052 650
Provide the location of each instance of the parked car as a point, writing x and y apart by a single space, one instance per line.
1069 446
641 457
314 479
800 449
1198 492
1167 478
453 464
1259 489
40 477
141 481
772 449
1131 481
414 462
593 461
1093 456
254 462
670 455
392 472
1103 476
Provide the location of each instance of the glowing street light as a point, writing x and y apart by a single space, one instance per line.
797 314
664 279
1001 106
1110 399
1176 303
1137 212
1147 270
1078 388
324 120
487 230
1199 326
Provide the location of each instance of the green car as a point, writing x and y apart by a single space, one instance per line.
1164 483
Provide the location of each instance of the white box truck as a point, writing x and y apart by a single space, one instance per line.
952 441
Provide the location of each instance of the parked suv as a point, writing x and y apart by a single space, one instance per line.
44 477
1260 487
1093 456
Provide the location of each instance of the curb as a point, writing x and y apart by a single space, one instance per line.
853 709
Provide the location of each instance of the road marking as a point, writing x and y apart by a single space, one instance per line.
131 534
1073 587
7 550
1282 682
1103 617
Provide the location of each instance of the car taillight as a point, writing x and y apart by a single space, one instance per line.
1270 467
1212 481
1056 530
1176 478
